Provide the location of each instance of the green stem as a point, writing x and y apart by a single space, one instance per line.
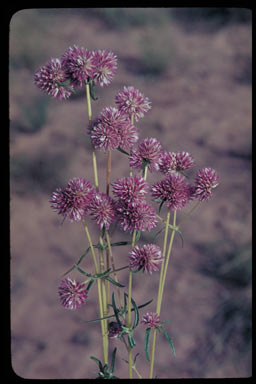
161 283
113 267
129 314
103 332
189 213
94 162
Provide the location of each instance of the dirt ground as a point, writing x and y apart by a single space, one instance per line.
196 70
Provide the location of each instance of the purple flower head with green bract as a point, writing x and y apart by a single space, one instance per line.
114 329
102 210
149 152
52 79
74 200
132 102
130 189
138 216
105 63
151 320
73 294
147 257
206 179
111 130
174 190
79 63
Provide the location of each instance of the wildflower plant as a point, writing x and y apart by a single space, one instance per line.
129 202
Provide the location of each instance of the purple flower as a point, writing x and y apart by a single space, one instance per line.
114 329
74 200
111 130
140 216
147 257
184 161
174 190
149 152
79 63
130 189
51 78
72 294
151 320
167 162
132 102
206 179
105 67
102 210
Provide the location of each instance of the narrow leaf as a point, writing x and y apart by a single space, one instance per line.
116 310
157 200
123 151
82 271
115 282
98 362
131 340
113 361
79 261
137 237
146 343
99 319
136 314
168 339
120 243
90 285
92 90
144 305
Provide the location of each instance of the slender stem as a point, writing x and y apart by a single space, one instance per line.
145 172
133 366
129 309
113 265
161 283
94 162
108 172
132 122
103 331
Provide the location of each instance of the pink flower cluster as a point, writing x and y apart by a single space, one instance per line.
60 76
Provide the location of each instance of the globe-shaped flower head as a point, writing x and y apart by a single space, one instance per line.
102 210
174 190
132 102
52 79
73 200
72 293
147 257
131 189
148 152
79 63
151 320
105 63
206 179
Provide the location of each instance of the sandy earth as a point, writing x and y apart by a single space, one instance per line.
201 103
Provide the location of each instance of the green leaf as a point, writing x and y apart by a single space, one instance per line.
116 310
146 342
120 243
98 362
99 319
92 90
131 340
115 282
82 271
90 285
79 261
135 357
160 206
136 314
112 367
144 305
123 151
161 328
103 274
137 237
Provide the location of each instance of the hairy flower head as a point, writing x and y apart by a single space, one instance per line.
105 67
148 152
52 78
72 293
151 320
174 190
102 210
132 102
147 257
206 179
73 200
130 189
79 63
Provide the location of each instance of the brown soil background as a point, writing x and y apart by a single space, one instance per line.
195 67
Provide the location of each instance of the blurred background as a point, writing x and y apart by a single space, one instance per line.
195 65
